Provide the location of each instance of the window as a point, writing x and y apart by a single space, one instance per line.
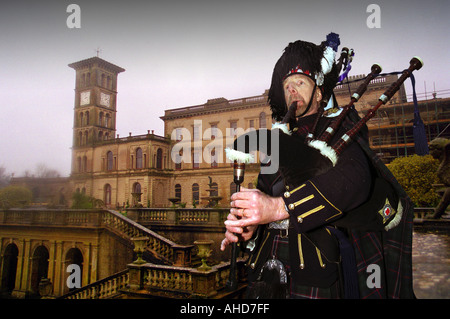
100 119
109 161
137 193
196 162
262 120
178 134
79 169
213 158
233 127
178 191
213 131
84 164
196 133
195 194
103 80
139 158
215 189
233 188
87 117
159 159
107 194
107 120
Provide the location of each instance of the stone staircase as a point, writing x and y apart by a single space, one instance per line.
170 272
157 248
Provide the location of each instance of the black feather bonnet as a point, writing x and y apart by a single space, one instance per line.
315 61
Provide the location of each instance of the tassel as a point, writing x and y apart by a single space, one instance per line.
240 157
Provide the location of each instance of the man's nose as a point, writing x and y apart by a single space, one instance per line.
291 89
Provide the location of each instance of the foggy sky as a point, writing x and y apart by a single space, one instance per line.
182 53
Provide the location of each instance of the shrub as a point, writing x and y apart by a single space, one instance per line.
416 174
82 201
15 197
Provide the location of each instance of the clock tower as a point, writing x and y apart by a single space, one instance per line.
95 107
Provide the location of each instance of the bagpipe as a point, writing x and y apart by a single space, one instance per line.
298 158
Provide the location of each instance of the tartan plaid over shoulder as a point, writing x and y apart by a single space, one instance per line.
389 250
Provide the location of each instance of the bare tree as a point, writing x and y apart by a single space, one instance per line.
42 171
4 177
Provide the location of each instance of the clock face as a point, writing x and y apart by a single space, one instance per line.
85 97
105 99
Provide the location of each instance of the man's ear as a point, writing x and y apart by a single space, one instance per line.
319 95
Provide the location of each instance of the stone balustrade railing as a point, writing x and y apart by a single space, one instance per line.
180 282
179 216
159 280
166 249
162 246
106 288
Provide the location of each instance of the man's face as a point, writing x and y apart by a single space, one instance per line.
299 87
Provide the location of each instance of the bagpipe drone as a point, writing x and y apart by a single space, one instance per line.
298 157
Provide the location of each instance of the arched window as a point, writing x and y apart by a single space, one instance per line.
137 193
136 188
109 160
100 135
139 158
87 117
100 119
107 194
80 138
85 164
103 80
10 258
178 191
195 194
79 168
81 118
75 257
159 158
39 267
107 120
85 139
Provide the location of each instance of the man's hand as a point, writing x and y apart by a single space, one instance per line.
250 208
